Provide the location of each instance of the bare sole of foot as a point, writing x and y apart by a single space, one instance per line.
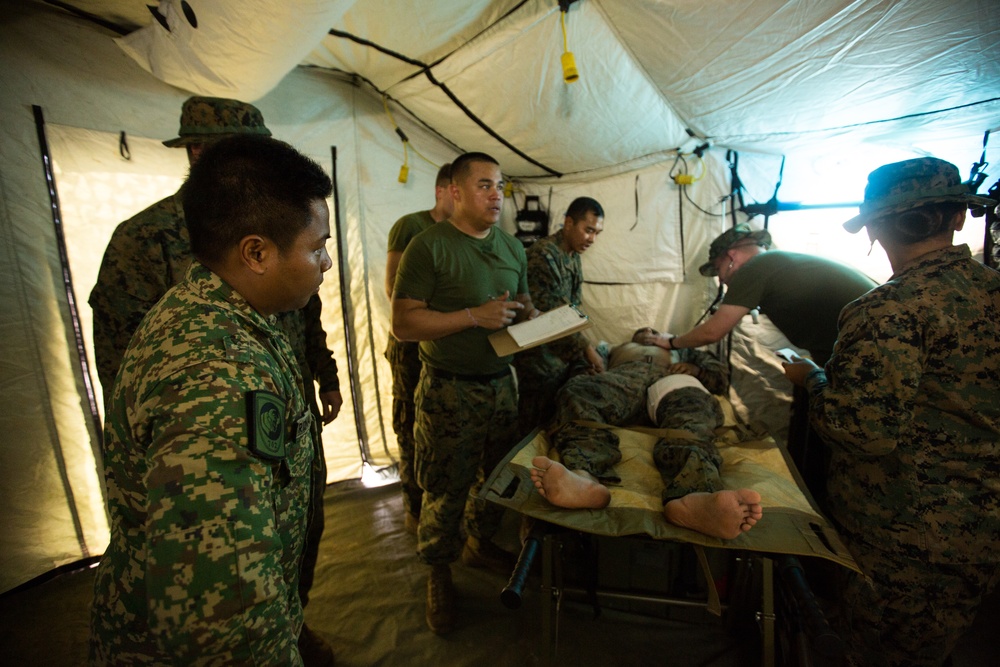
723 514
567 488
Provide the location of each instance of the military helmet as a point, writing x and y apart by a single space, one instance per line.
738 235
205 119
901 186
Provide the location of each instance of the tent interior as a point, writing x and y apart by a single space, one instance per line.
685 118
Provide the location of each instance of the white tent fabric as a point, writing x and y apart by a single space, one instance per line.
768 75
837 87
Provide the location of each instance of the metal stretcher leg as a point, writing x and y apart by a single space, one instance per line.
551 592
766 615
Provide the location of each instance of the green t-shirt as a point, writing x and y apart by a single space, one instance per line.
802 294
451 270
404 229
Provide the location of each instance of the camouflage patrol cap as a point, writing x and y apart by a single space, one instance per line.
738 235
901 186
205 119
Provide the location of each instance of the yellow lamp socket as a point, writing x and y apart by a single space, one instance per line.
569 67
404 173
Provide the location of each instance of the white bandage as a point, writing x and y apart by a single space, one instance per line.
664 386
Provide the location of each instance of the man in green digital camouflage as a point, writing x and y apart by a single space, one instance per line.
151 252
209 440
909 403
555 278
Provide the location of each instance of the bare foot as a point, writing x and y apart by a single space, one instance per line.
567 488
723 514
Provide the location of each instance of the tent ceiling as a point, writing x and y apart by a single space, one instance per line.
773 76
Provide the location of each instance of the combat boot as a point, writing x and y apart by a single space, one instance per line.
440 600
484 554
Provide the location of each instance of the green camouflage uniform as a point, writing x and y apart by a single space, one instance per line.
147 255
404 359
150 252
206 534
555 278
304 330
466 403
910 405
618 397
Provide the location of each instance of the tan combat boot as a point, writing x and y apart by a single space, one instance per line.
440 600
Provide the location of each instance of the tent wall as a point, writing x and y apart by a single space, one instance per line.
52 505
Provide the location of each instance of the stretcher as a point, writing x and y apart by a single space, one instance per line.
791 526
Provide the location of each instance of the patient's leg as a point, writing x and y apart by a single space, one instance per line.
723 514
568 488
615 397
689 462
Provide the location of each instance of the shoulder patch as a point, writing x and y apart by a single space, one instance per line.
266 424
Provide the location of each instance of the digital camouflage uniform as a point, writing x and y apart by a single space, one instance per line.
151 252
466 403
304 330
207 455
404 359
910 405
555 278
617 397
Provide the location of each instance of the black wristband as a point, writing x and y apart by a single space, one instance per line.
670 341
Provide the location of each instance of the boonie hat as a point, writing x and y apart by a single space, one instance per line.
737 235
901 186
205 119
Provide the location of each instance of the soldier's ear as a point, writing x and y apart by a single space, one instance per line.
255 253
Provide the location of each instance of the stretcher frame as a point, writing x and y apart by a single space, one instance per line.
790 528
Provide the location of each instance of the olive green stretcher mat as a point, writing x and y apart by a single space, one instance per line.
791 523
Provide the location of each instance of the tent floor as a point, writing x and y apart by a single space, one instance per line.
368 601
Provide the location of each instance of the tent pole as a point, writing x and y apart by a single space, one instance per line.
50 181
345 309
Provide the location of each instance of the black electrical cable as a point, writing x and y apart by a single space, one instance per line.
708 213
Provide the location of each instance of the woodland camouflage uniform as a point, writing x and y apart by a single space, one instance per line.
618 397
555 278
912 413
208 450
910 405
150 252
404 360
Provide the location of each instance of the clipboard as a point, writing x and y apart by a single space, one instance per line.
548 326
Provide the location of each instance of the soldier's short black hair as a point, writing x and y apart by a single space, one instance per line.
249 184
443 176
462 165
581 206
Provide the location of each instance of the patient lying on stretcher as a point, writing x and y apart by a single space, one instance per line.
675 388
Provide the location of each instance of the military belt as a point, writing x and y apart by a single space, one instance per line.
448 375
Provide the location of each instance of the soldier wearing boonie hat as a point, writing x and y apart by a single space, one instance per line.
909 404
151 251
207 119
910 184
